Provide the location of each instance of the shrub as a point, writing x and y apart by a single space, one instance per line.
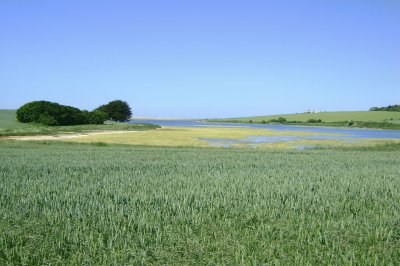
54 114
390 108
314 121
47 120
97 117
50 114
116 110
32 112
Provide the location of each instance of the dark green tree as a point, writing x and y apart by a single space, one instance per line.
281 119
97 117
54 114
116 110
50 114
390 108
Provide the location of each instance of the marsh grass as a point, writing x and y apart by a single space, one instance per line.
188 136
197 137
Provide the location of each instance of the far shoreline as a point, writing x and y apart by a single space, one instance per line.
164 118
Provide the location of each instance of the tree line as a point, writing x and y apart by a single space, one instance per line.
55 114
390 108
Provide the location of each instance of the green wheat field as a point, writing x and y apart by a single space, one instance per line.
102 204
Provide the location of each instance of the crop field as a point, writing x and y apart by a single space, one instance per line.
80 204
365 116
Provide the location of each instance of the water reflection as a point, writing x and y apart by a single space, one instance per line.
226 142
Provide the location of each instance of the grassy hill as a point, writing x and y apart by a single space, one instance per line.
9 126
359 119
364 116
8 120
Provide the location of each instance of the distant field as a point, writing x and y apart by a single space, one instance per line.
365 116
8 120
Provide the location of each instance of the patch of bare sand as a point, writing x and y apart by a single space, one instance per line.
67 136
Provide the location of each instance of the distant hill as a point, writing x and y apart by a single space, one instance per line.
364 116
8 119
391 108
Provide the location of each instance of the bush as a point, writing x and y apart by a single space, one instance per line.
390 108
50 114
54 114
47 120
279 120
97 117
31 112
116 110
314 121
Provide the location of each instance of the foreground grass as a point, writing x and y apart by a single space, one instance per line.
9 126
101 205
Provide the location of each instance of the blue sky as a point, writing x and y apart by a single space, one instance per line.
201 58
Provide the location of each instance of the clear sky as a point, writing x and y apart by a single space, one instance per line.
208 58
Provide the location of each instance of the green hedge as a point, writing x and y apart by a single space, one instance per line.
54 114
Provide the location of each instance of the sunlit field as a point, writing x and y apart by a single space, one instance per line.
63 204
377 116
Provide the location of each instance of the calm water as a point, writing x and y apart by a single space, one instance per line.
350 132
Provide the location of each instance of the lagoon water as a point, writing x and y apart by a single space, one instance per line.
338 133
353 133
